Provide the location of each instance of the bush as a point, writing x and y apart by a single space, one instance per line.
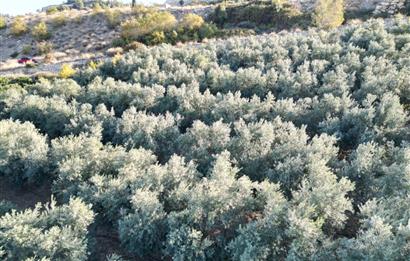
191 22
79 4
23 151
40 32
328 14
60 232
49 114
44 47
52 10
3 23
135 45
60 19
97 8
18 27
113 17
136 28
157 37
27 49
66 71
220 15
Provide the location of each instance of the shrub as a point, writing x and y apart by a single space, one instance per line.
157 37
52 10
279 4
121 96
44 47
40 32
113 17
97 9
60 232
23 151
328 14
18 26
191 22
135 45
3 22
157 133
385 8
49 114
79 4
142 10
139 27
135 233
65 88
30 65
14 54
66 71
27 49
220 15
60 19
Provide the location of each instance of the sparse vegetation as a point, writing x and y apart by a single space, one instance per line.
44 47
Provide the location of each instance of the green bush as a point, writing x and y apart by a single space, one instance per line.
137 28
52 10
44 47
328 14
191 22
27 49
113 17
66 71
280 15
40 32
220 15
3 22
79 4
18 27
60 19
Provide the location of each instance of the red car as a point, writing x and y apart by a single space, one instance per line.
25 60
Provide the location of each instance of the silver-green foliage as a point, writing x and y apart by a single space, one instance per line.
23 151
47 232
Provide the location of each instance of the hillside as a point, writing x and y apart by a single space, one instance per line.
76 37
92 34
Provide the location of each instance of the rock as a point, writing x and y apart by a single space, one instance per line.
59 54
113 51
